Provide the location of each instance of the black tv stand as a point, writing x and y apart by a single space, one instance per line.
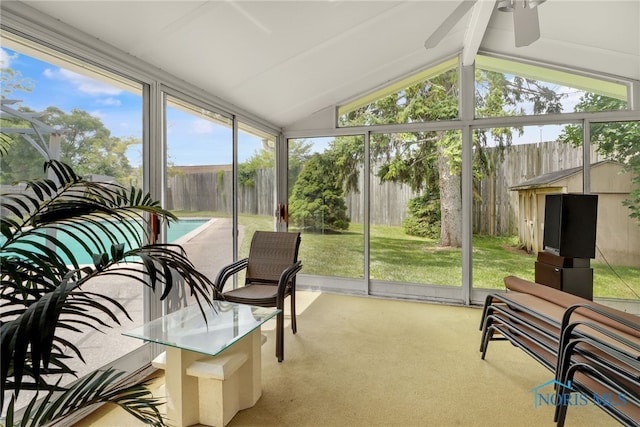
572 275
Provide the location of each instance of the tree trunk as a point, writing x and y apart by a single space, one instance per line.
450 203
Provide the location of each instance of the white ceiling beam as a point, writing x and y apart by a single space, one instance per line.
478 23
446 25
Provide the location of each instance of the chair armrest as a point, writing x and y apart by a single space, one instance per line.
228 271
287 276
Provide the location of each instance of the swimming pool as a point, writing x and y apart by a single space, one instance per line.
177 232
184 226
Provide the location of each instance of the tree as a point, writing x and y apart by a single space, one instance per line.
433 159
424 218
265 159
317 200
13 80
87 145
299 151
619 141
22 161
27 162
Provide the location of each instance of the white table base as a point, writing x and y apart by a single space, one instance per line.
211 390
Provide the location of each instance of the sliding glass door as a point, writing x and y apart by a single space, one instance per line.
326 204
198 187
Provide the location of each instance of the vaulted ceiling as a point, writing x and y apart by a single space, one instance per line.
285 60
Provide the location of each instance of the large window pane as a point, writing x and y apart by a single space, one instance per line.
616 181
416 208
256 184
514 169
426 96
326 204
509 88
199 189
98 120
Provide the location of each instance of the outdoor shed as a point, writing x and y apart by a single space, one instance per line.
618 235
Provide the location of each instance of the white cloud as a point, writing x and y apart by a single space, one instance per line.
98 114
82 83
110 102
5 58
202 127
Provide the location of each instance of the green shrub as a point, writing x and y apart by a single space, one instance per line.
424 219
317 200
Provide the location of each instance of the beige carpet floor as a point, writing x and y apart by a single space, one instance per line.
359 361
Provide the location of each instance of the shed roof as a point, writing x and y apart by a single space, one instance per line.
547 179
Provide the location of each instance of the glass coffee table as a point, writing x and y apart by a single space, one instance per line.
212 363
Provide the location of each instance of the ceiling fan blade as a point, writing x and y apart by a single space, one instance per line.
526 25
442 30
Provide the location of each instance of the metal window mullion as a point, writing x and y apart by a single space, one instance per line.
586 157
234 197
634 96
367 212
467 113
282 173
152 137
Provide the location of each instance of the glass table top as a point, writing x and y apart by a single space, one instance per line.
223 324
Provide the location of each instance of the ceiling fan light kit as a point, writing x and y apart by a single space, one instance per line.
509 5
526 26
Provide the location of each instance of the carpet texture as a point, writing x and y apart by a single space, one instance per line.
360 361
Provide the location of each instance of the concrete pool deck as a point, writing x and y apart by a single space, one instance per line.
207 247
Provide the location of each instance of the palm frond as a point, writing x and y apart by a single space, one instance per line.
5 143
96 388
46 232
28 339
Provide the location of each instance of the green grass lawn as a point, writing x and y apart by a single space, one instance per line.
401 258
398 257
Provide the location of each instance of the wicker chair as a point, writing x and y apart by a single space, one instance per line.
271 270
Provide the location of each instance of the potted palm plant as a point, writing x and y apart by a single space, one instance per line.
42 291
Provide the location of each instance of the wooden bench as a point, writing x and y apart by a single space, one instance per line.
595 347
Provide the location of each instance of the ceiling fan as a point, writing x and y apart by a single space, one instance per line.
526 25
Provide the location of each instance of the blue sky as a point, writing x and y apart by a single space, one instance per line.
191 140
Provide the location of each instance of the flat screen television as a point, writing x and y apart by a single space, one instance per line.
570 225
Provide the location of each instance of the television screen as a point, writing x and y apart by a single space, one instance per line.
570 225
552 219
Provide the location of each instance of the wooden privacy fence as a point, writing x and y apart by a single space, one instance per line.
213 191
495 207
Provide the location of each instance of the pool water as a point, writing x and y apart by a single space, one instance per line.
183 227
175 231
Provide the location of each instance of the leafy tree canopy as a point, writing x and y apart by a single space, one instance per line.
265 159
422 159
87 145
13 80
619 141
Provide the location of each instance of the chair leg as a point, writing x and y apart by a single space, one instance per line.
280 337
294 326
